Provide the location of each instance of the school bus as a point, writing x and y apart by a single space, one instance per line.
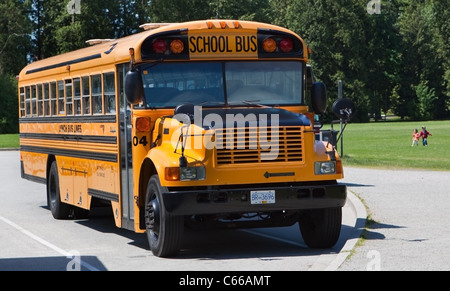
205 123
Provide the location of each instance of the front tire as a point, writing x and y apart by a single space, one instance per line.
164 231
321 228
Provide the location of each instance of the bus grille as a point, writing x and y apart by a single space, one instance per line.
244 146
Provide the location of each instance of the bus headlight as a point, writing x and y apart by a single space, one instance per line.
194 173
325 168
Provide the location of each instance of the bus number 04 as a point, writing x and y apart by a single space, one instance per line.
143 141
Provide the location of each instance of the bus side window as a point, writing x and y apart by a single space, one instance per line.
33 100
46 99
61 108
28 101
53 104
22 102
40 100
109 92
77 96
69 97
86 96
96 90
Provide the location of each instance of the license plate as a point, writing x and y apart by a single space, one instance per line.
262 197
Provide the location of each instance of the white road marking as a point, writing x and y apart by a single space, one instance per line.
46 243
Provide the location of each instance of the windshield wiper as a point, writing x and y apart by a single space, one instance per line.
211 103
249 103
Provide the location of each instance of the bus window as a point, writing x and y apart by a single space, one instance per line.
168 85
86 96
22 102
61 108
28 101
53 104
96 89
109 92
46 99
270 83
69 97
33 100
76 96
40 100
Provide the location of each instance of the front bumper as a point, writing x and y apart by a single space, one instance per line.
237 200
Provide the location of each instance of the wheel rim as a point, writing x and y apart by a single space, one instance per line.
52 190
153 222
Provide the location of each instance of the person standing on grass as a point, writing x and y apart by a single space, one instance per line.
415 137
424 135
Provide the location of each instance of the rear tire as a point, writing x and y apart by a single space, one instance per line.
59 209
164 231
321 228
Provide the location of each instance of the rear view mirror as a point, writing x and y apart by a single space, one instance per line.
134 87
344 109
319 97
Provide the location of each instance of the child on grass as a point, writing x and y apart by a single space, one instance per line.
424 135
415 137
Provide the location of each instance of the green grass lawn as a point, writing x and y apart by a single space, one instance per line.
9 140
388 144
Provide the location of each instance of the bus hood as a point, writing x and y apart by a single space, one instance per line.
245 117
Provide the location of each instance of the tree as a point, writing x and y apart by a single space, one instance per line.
442 40
334 30
14 47
423 59
8 101
57 31
15 32
383 58
426 102
187 10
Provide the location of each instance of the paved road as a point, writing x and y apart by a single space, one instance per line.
411 210
30 239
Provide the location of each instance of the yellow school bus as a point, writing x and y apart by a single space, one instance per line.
205 123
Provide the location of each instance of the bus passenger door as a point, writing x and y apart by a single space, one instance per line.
126 160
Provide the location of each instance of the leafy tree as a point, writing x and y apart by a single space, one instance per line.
14 47
8 101
423 59
382 61
186 10
426 101
442 41
57 31
334 30
15 32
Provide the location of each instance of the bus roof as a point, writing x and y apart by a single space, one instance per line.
117 51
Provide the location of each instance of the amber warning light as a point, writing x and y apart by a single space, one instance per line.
270 45
143 124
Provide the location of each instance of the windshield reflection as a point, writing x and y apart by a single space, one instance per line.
272 83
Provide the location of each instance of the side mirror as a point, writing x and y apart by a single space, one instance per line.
134 87
186 109
344 109
319 97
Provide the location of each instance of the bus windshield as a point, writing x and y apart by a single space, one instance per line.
274 83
